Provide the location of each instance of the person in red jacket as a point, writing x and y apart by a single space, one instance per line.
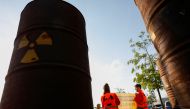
140 98
109 100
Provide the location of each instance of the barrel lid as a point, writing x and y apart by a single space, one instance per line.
56 14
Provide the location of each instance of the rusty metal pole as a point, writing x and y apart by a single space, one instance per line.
49 68
168 24
166 83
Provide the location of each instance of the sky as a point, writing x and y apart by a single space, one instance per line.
109 26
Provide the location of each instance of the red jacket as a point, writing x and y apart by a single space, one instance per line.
110 101
141 100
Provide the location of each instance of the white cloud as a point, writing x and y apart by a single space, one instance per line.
115 73
5 55
8 28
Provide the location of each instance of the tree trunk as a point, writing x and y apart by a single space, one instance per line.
160 98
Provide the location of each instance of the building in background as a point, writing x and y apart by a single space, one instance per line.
127 100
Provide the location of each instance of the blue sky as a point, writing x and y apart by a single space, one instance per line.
109 26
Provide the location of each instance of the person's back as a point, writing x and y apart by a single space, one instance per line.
140 98
109 100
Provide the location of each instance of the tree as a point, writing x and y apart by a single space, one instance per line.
144 64
119 90
151 98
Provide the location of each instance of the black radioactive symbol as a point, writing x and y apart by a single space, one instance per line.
31 55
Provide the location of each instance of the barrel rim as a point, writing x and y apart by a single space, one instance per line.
81 70
56 25
67 3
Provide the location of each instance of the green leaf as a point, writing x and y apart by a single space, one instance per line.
133 70
144 62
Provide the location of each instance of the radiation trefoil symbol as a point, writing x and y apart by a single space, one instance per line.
31 55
